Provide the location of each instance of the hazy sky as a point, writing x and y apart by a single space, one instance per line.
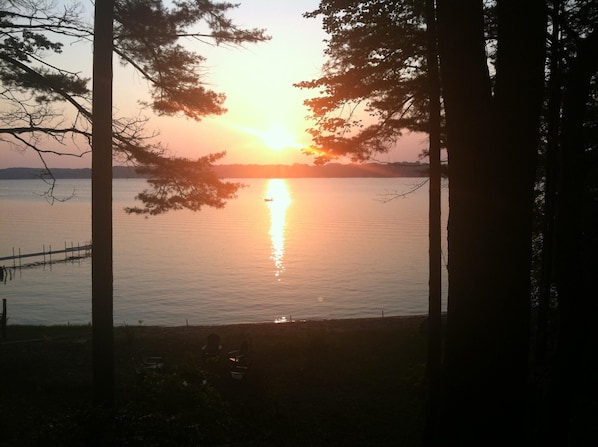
266 118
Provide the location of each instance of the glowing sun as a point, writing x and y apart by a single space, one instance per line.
278 138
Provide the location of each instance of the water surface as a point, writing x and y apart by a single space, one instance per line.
294 248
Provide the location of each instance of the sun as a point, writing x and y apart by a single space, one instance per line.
278 138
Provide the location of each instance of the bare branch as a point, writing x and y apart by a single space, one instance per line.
390 196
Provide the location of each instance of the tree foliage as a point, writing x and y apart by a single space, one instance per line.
175 187
575 210
374 83
494 72
47 108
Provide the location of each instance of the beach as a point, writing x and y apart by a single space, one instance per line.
327 382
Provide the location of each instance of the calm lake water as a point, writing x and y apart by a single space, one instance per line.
295 248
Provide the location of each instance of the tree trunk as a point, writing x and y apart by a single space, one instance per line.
492 145
519 94
574 275
550 167
467 100
101 208
434 359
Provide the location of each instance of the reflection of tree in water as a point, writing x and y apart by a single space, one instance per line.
278 200
5 274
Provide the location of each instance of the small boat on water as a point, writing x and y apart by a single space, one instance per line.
268 199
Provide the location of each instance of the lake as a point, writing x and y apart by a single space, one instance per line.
294 249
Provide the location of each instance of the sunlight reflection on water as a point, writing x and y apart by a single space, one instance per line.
278 200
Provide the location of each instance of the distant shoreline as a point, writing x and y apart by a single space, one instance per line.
331 170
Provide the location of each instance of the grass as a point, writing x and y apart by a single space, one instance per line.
336 382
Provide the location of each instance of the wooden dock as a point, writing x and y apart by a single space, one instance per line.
49 256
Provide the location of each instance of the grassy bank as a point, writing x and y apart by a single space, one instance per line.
335 382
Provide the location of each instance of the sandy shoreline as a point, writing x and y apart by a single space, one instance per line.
269 333
333 325
320 382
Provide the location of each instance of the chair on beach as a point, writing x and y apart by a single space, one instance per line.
148 364
211 350
238 361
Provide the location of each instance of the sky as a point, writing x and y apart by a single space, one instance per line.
266 120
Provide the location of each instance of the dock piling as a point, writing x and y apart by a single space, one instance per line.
3 319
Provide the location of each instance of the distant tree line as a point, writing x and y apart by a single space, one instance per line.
335 170
240 171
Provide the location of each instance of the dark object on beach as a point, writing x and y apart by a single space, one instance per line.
149 364
211 350
238 362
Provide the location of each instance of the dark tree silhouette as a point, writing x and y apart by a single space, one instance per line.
101 208
383 59
374 84
576 217
434 358
485 369
147 36
493 72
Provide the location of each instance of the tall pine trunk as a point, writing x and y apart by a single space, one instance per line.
471 311
101 208
518 99
492 141
550 179
434 358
